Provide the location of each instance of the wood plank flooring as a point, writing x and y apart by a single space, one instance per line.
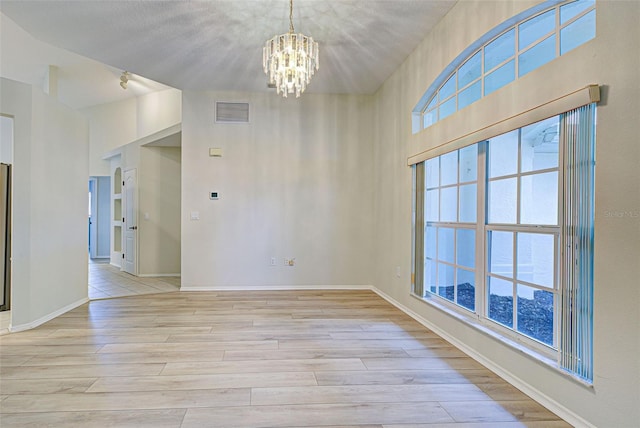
249 359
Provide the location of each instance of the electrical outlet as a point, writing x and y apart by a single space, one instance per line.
289 262
273 261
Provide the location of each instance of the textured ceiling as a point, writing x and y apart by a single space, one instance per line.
217 44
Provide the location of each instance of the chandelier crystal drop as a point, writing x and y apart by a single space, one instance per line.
290 60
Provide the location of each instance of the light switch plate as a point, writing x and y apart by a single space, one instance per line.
215 152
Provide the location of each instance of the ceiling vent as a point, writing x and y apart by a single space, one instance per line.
232 112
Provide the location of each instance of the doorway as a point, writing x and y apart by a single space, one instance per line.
6 162
99 219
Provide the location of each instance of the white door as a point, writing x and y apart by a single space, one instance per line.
130 222
93 207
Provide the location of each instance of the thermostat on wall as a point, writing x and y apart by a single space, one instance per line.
213 195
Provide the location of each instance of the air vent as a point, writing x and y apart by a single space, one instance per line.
232 112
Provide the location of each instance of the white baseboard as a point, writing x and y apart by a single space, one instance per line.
543 399
49 317
274 287
154 275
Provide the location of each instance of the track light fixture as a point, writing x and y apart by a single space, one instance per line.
124 79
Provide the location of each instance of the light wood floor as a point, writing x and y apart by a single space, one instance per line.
249 359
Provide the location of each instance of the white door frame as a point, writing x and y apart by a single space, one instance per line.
130 224
93 232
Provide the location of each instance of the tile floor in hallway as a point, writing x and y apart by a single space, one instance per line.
106 281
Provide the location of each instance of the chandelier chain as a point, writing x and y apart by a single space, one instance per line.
291 30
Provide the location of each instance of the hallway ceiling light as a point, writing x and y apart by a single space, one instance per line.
290 60
124 79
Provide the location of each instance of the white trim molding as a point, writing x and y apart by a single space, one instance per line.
46 318
275 287
158 275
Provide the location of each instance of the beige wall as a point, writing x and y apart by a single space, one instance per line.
159 211
49 256
612 60
295 182
117 124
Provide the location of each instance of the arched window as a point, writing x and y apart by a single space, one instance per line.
504 54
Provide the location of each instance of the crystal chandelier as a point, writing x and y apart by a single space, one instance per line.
290 60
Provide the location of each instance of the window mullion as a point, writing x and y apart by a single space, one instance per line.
419 222
514 280
481 213
557 31
516 55
560 250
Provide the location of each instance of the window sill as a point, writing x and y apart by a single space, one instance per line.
536 356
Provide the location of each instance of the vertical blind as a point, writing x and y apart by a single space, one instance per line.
576 332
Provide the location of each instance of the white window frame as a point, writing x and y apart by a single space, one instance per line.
426 105
481 312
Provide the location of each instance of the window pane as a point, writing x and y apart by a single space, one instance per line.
449 88
449 204
470 70
501 253
432 103
502 201
534 28
430 242
449 168
539 199
537 56
535 313
466 247
469 163
448 108
431 205
539 149
536 254
445 281
470 95
433 172
466 294
468 203
445 245
503 154
497 79
430 118
430 276
499 50
570 10
578 32
501 301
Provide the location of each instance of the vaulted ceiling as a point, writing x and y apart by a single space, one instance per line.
217 44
